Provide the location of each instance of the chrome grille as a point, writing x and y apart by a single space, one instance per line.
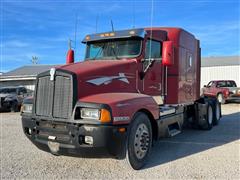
62 97
54 98
44 96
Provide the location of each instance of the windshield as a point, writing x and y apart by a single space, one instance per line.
114 49
7 91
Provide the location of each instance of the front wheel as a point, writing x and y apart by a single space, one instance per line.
139 141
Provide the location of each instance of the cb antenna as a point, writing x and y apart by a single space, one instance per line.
75 35
97 22
70 43
134 13
112 25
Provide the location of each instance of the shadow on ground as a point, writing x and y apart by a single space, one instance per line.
195 141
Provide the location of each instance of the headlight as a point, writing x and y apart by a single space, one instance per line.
103 115
27 108
88 113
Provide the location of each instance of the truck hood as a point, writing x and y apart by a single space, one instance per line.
96 65
103 76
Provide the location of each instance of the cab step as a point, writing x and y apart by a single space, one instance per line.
174 132
174 129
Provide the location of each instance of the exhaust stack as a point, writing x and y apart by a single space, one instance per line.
70 54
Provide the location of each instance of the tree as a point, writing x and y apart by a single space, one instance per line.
34 60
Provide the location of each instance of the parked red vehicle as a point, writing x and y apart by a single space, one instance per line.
224 90
134 86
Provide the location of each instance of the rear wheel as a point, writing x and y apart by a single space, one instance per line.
139 141
221 98
209 118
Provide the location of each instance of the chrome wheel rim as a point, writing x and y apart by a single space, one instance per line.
220 98
210 115
141 141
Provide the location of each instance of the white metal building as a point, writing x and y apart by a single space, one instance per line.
220 68
23 76
213 68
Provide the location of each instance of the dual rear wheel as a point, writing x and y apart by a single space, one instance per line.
213 114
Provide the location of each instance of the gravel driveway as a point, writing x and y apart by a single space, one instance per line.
193 154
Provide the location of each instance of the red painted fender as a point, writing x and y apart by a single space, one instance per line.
124 105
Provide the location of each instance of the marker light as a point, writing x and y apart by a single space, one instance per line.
105 116
112 34
87 37
107 34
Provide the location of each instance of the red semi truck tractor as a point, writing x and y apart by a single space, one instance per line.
133 87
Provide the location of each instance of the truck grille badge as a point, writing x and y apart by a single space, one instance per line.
52 73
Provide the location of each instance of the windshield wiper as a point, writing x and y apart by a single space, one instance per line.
114 52
111 44
99 51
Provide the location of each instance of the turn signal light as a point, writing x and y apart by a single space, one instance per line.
122 130
105 116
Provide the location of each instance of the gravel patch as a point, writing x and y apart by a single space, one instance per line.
193 154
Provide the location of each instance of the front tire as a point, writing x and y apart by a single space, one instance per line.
139 141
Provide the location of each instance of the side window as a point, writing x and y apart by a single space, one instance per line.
210 84
221 84
232 84
153 49
24 90
229 84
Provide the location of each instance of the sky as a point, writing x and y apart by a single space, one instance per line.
42 28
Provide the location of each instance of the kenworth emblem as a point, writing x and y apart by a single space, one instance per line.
52 73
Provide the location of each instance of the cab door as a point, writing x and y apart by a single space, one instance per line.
152 82
209 90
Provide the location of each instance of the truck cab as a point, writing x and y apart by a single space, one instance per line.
134 86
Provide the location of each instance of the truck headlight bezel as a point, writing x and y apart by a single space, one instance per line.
100 113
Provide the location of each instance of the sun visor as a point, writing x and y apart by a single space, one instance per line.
115 35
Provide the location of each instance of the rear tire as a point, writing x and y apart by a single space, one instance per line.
217 112
209 118
139 141
221 98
